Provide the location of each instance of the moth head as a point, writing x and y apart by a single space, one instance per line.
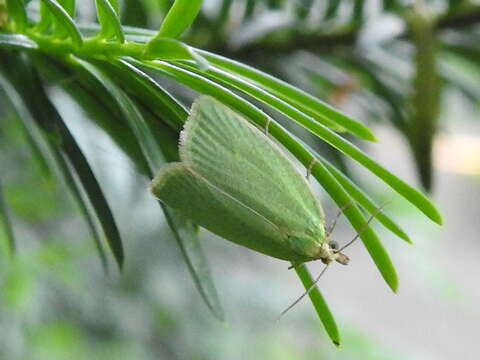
333 245
329 252
336 254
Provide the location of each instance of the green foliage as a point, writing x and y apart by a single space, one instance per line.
320 305
426 97
170 49
111 71
274 212
18 13
63 23
179 17
6 221
107 17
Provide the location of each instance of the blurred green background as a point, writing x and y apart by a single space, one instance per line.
56 302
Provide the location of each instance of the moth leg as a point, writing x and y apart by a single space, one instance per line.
339 213
310 167
267 125
294 265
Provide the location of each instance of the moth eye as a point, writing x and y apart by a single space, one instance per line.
333 245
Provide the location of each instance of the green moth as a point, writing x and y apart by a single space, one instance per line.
236 182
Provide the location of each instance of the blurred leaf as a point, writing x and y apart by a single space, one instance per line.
16 40
26 83
358 8
426 98
390 5
33 135
186 234
88 215
134 13
58 340
36 149
373 79
249 9
132 115
332 8
17 288
16 9
6 221
222 15
303 9
459 67
95 102
45 18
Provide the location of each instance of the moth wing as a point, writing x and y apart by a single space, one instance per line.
233 155
190 194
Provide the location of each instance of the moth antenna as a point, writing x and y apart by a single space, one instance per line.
310 167
304 294
365 227
339 213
